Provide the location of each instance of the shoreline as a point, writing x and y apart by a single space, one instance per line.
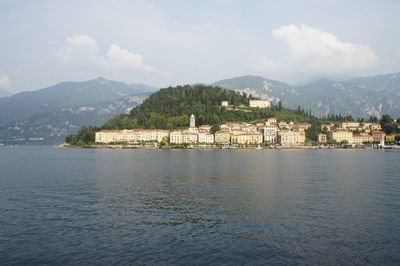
275 147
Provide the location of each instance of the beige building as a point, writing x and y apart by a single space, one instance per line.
284 126
152 135
378 136
224 103
271 121
235 126
301 126
204 128
288 137
368 127
351 125
322 138
247 138
231 126
206 138
248 128
362 138
131 135
342 135
106 136
182 136
222 137
390 138
375 126
260 103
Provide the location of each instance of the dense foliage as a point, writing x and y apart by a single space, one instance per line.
86 135
388 124
169 108
166 108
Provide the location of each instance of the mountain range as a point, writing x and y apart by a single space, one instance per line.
359 97
50 114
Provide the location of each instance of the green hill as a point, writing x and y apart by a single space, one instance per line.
169 109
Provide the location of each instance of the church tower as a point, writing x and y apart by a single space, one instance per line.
192 121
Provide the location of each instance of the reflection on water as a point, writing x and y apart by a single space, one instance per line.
74 206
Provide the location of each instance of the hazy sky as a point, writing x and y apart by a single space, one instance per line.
164 43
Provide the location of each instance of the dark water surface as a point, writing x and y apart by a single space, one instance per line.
260 207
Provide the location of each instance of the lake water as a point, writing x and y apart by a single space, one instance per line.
259 207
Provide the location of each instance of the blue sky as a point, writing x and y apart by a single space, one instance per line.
164 43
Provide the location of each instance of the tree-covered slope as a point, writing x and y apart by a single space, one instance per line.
171 107
202 101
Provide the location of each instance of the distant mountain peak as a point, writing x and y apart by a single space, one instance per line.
323 81
358 96
395 75
251 77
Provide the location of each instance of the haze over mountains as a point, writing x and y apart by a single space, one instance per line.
50 114
56 111
360 97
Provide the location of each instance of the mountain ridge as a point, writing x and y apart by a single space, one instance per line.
53 112
359 97
60 109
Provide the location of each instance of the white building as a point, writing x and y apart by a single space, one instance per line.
105 136
288 137
342 135
153 135
205 138
179 137
131 135
224 103
351 126
260 103
270 133
246 138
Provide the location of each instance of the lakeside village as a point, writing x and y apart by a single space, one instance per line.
270 133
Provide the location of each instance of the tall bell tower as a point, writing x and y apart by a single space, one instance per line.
192 121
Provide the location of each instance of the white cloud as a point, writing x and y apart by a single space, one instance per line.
4 81
118 57
313 50
82 50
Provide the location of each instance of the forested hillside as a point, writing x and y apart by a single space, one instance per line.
170 108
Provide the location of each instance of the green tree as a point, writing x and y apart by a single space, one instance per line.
85 135
215 128
313 131
388 124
